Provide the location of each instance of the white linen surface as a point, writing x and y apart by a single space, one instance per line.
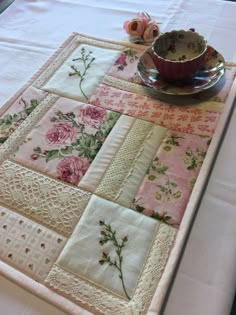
31 30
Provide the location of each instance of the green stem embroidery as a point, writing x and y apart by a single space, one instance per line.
109 235
85 58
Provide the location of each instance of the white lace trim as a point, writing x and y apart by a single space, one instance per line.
84 292
11 144
122 166
45 200
100 43
130 87
66 52
55 64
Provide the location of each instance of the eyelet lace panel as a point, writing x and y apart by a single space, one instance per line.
42 199
86 293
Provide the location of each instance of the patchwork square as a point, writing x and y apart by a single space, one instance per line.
107 252
50 202
125 66
27 245
66 140
79 75
19 110
180 118
170 178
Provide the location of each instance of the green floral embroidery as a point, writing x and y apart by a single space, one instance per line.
193 158
168 191
109 235
9 123
86 60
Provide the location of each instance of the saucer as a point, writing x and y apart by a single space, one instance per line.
203 79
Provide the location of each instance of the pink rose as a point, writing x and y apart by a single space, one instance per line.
60 133
121 59
72 168
92 116
151 32
136 27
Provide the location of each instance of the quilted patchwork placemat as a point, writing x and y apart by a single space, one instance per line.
100 177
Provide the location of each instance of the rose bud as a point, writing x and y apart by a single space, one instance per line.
151 32
135 27
34 156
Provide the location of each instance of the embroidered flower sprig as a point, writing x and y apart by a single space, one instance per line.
142 29
109 235
86 60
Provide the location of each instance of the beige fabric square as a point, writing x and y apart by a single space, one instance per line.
83 251
91 62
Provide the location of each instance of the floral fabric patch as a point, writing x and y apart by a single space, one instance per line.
27 245
66 140
125 66
168 183
183 119
19 111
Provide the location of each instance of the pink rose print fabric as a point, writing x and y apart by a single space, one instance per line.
61 133
66 140
13 117
125 66
184 119
92 116
169 181
72 168
29 246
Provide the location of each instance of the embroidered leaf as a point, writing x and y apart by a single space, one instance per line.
86 60
161 217
76 143
139 208
15 117
162 170
33 104
67 150
109 235
89 146
151 177
53 154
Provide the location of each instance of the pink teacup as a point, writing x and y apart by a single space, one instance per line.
178 54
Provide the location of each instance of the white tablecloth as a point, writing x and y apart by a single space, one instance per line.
30 31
